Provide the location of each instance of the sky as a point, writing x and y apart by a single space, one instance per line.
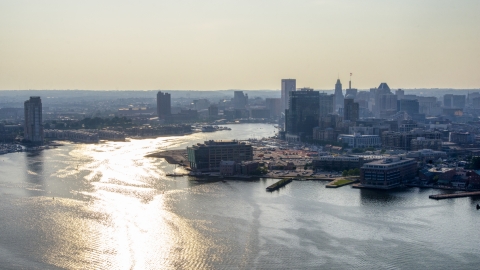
244 44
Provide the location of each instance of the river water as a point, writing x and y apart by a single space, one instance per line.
106 206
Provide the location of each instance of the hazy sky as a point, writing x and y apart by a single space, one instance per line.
244 44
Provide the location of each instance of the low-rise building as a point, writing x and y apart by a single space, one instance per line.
360 141
227 168
388 173
426 155
337 163
461 137
247 167
207 156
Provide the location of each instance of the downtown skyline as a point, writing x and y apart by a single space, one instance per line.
238 45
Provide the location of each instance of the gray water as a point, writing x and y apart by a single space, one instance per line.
106 206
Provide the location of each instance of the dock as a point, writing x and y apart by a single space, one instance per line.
454 195
279 184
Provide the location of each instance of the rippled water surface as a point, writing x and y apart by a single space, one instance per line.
106 206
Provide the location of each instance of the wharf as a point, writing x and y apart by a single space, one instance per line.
340 183
279 184
454 195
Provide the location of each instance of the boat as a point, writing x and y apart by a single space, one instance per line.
208 129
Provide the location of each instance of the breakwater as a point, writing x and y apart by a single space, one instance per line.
279 184
454 195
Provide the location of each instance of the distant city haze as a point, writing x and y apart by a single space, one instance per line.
215 45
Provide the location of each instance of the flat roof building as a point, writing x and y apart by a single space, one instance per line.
358 140
207 156
387 173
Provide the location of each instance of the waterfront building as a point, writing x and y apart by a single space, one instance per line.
207 156
358 140
275 106
213 111
351 110
388 173
338 163
338 95
33 129
302 114
240 100
227 167
288 86
164 105
260 113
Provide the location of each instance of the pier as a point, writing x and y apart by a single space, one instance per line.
454 195
279 184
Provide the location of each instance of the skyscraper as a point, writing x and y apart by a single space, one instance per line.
338 95
164 107
33 129
410 106
288 86
302 114
240 100
327 104
351 109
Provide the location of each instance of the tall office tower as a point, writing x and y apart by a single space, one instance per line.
338 95
454 101
164 107
352 92
400 94
33 129
288 86
274 105
240 100
380 104
213 110
327 104
302 114
410 106
351 109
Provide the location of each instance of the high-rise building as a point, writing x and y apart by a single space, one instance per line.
454 101
351 109
164 107
33 129
327 104
274 105
240 100
303 113
400 94
410 106
288 86
338 95
213 110
352 92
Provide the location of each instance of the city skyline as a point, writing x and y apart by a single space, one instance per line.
238 45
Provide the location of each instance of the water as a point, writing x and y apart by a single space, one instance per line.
105 206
